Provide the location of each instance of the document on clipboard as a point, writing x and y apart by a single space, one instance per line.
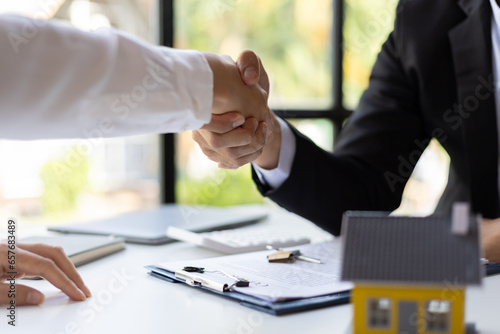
276 288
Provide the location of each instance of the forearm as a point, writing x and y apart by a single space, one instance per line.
62 82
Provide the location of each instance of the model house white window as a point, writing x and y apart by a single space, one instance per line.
437 316
379 312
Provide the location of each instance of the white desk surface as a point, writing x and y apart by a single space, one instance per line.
127 300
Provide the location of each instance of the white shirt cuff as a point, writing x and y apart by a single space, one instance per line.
277 176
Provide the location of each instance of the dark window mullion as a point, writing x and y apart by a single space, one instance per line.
305 113
339 114
337 54
167 143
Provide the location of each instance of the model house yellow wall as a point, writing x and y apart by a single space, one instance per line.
422 295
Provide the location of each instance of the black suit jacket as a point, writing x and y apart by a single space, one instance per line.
432 78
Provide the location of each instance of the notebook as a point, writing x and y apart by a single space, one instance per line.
81 249
149 226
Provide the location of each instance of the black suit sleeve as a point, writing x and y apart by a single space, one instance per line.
372 161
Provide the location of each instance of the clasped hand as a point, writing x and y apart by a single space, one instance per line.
243 128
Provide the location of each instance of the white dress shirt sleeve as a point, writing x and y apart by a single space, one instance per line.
59 82
274 178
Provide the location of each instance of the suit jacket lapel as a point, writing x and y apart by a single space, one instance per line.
472 56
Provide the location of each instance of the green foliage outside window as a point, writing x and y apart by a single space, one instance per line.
64 179
292 37
224 188
367 25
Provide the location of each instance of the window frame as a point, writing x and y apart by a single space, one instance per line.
337 114
370 316
431 317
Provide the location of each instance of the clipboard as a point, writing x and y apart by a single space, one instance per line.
273 308
492 268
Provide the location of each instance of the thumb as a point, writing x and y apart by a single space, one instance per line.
22 295
252 70
249 66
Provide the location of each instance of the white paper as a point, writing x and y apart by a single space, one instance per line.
276 281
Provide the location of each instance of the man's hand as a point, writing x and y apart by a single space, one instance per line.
252 134
490 238
232 147
230 93
46 261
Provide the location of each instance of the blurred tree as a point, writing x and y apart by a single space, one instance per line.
224 188
64 179
292 37
367 25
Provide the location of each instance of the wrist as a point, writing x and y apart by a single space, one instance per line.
221 89
269 159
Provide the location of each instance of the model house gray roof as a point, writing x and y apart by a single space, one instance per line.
409 250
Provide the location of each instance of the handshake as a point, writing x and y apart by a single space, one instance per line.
243 128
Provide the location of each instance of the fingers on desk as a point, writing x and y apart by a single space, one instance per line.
51 263
24 295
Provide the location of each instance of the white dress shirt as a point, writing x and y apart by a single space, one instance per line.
276 177
59 82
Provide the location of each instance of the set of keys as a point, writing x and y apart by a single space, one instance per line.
282 256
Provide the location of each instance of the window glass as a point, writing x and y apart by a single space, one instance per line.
379 313
437 316
319 130
200 181
366 26
427 182
75 180
292 37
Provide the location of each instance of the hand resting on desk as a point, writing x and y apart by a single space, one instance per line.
46 261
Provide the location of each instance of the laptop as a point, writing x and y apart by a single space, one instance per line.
149 226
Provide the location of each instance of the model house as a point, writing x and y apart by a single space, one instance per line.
410 273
